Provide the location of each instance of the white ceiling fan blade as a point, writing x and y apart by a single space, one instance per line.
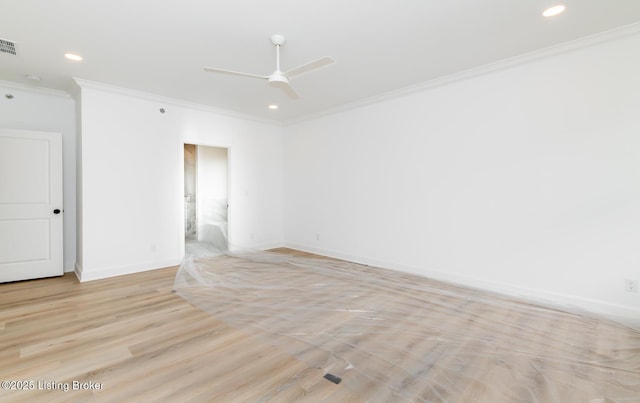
290 92
286 87
312 65
235 73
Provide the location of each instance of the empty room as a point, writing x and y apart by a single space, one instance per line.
305 201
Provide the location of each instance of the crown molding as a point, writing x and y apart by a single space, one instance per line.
563 48
35 90
82 83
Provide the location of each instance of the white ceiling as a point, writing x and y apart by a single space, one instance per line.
161 46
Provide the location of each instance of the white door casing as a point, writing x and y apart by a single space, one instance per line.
31 222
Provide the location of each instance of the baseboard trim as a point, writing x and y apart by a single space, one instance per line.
106 272
256 247
629 316
101 273
77 270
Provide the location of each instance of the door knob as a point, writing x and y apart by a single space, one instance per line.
57 211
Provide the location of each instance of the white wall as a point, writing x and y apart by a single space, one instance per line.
524 180
33 110
132 179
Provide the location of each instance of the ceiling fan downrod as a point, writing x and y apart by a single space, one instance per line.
278 76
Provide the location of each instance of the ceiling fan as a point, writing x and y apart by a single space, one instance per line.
278 78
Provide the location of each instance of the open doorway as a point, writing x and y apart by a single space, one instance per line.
206 195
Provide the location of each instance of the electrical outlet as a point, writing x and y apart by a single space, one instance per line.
631 285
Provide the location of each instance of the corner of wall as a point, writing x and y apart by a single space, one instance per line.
78 271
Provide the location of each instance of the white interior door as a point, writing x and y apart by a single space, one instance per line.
31 208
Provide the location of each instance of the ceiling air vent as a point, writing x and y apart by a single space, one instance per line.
7 46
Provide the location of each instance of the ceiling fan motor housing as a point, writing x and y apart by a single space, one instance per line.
277 78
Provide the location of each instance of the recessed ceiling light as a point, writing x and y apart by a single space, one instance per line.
32 77
273 107
73 56
555 10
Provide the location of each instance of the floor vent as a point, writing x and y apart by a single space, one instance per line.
7 46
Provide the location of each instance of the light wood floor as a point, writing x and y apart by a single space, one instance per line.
140 342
